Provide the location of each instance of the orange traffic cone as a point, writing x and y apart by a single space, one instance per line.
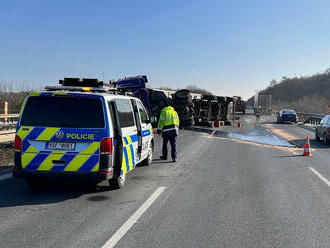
307 148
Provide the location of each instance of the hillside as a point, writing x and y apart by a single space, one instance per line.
304 94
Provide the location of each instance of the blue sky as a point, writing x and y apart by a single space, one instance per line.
228 47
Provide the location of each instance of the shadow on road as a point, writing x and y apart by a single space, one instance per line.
315 144
287 156
15 192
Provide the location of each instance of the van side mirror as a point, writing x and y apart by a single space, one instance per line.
152 119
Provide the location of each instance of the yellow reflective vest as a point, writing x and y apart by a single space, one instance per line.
169 122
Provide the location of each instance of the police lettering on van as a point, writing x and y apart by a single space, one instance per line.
82 130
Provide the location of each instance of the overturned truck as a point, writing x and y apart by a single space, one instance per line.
202 110
193 109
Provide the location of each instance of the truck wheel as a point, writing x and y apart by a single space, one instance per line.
316 136
228 123
221 99
187 122
148 160
118 182
157 96
209 97
182 94
183 102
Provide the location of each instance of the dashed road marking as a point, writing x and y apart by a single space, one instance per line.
320 176
133 219
5 176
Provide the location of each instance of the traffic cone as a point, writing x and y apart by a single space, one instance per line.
307 148
239 123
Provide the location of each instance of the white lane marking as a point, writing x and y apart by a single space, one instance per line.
133 219
5 176
320 176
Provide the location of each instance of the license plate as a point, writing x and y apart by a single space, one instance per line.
59 146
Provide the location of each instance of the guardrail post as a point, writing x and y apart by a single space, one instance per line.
5 110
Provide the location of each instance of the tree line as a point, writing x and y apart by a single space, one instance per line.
13 95
304 94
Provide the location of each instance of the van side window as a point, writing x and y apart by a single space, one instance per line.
143 114
125 112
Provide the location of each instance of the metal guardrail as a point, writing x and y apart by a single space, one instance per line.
2 116
310 117
8 121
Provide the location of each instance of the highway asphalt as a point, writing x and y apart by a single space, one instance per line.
223 192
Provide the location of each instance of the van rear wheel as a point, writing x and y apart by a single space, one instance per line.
118 182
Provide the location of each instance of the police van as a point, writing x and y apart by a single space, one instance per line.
81 130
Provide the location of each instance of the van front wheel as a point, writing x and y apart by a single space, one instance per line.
118 182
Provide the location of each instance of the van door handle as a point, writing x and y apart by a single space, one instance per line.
59 161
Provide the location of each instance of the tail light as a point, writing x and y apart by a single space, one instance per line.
108 171
106 146
328 130
18 144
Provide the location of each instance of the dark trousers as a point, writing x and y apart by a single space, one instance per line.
173 142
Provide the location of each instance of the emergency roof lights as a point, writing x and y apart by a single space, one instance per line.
85 82
85 85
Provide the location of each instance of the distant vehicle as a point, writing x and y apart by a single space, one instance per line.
287 115
249 110
323 130
263 101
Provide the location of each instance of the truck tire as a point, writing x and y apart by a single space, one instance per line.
228 123
182 105
221 99
187 122
182 94
157 97
209 97
118 182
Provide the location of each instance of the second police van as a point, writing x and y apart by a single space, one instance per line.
81 130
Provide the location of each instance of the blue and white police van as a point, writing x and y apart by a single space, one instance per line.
82 129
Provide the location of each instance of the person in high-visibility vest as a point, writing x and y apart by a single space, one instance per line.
168 127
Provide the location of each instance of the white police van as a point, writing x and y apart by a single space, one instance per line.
81 130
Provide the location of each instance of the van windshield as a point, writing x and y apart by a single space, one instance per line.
59 111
